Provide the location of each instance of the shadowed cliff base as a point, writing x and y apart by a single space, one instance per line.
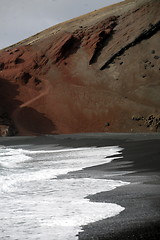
95 73
31 122
28 120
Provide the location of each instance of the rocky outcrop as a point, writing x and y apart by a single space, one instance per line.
96 73
152 121
4 130
7 127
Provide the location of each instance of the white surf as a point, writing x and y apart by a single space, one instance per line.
37 203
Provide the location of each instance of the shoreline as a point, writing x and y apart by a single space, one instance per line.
140 166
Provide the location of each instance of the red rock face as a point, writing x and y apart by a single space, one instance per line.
97 73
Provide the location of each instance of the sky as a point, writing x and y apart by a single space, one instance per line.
20 19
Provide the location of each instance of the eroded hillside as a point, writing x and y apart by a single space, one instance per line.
97 73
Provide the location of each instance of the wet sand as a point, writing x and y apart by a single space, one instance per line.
140 166
141 198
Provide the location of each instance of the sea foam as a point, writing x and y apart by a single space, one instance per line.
37 204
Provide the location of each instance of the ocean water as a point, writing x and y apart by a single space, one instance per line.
40 200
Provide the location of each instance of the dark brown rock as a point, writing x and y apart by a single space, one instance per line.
1 66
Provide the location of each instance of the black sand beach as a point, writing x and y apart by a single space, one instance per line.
141 198
140 166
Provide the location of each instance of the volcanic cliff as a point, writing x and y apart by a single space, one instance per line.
96 73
